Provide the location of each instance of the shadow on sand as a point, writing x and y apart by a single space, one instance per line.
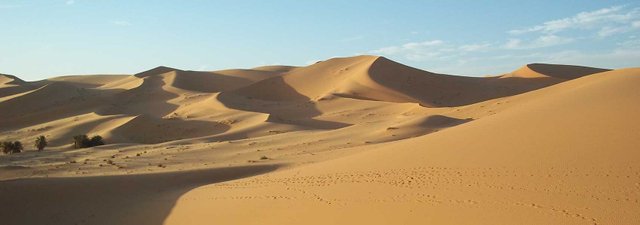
125 199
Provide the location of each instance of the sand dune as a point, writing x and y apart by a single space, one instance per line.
258 73
10 79
205 81
539 70
354 140
93 200
380 79
143 129
539 162
11 85
86 81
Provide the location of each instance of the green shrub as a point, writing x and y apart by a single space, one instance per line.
80 141
12 147
96 140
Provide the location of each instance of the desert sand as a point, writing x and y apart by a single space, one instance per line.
355 140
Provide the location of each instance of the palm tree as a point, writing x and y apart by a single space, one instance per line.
40 143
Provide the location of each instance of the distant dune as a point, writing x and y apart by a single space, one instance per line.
356 140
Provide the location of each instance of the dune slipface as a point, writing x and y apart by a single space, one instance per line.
357 140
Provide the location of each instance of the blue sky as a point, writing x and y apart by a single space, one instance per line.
41 39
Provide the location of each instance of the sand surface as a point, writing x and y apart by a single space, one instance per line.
358 140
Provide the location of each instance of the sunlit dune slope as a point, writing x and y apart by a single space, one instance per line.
561 155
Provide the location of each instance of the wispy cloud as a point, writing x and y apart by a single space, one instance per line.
416 51
632 43
431 50
614 30
540 42
70 2
604 21
411 46
615 58
474 47
610 31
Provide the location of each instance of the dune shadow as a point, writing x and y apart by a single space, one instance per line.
208 82
17 89
564 71
285 105
126 199
440 121
142 129
37 108
441 90
140 100
272 89
54 100
308 122
353 96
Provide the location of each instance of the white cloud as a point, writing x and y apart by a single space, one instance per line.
411 46
610 31
606 21
432 50
632 43
616 58
540 42
613 30
551 40
70 2
474 47
417 51
603 23
513 43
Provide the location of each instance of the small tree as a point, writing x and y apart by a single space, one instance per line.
17 147
11 147
6 147
80 141
40 143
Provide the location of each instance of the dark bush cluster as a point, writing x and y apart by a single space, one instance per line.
79 141
83 141
11 147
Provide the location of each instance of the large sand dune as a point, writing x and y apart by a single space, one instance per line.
361 140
